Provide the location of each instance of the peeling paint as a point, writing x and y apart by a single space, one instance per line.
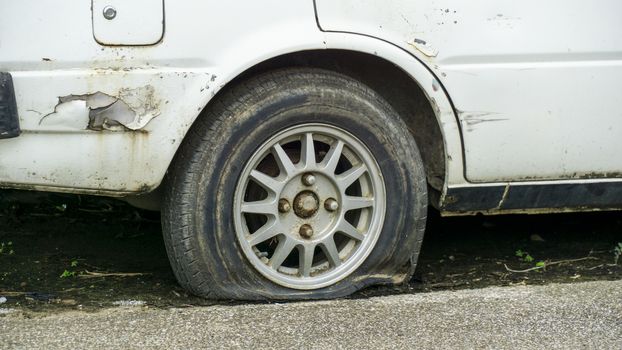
424 47
130 108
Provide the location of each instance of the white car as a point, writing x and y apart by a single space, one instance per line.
293 145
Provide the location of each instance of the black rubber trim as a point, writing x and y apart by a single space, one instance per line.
592 195
465 199
558 196
9 121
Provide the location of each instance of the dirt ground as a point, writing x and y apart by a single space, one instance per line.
62 252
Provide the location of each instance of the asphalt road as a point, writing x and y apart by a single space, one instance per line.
555 316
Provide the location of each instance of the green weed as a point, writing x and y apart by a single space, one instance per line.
67 273
70 273
6 248
526 257
617 252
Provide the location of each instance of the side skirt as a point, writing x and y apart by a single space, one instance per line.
536 198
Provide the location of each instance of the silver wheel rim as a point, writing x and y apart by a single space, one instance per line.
309 206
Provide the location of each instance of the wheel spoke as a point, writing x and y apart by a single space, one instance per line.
332 157
281 252
307 153
267 207
267 182
306 259
283 160
264 233
290 205
351 202
350 231
330 249
349 176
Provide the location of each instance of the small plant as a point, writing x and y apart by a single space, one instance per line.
69 273
524 256
617 252
6 248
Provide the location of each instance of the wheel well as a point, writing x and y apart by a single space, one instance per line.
397 87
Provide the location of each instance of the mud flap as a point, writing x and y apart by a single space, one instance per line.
9 122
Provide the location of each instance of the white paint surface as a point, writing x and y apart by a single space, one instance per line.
536 90
536 84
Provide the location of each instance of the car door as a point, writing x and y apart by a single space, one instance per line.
535 85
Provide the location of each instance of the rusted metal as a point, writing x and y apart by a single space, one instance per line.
306 204
308 179
331 204
306 231
284 205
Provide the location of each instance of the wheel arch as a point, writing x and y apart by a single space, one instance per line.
427 113
392 83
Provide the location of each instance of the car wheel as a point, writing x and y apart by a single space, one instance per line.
295 184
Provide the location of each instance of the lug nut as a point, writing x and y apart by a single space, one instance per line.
308 179
284 205
306 231
331 204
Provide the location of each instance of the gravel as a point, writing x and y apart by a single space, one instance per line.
555 316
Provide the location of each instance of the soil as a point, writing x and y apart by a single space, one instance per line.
71 252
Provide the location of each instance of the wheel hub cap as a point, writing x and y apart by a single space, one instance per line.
306 204
309 206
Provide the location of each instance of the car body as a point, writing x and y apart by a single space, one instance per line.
514 106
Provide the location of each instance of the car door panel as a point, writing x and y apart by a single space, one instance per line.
534 84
